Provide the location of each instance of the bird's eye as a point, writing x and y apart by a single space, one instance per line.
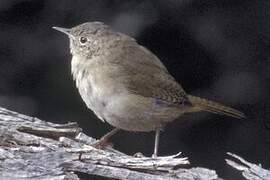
83 40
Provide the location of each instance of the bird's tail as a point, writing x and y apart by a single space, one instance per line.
213 107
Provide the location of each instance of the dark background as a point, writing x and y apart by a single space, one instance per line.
216 49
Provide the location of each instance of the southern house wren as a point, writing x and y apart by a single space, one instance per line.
126 85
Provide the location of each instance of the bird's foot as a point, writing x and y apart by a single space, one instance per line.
138 155
104 140
102 143
154 156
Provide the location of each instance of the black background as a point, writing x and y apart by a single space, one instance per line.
216 49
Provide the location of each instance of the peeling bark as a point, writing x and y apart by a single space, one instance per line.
32 148
249 171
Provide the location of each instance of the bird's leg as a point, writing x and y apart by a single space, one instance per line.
156 141
103 141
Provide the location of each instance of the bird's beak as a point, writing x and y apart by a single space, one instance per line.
64 30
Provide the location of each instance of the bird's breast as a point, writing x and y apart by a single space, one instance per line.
95 85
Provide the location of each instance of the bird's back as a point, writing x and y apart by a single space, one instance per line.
142 73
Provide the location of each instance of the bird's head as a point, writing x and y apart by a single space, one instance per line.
86 39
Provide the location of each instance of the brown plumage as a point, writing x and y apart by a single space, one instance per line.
125 84
214 107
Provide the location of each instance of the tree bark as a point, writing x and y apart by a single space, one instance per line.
248 170
32 148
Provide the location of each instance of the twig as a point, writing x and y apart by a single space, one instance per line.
249 170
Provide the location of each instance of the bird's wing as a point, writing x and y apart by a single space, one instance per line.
158 86
145 75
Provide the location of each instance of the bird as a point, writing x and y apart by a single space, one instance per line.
127 85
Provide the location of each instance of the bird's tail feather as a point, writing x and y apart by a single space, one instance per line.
213 107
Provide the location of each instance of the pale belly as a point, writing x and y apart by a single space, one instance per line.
112 103
136 113
127 111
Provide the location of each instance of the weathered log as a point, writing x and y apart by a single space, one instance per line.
34 149
249 171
